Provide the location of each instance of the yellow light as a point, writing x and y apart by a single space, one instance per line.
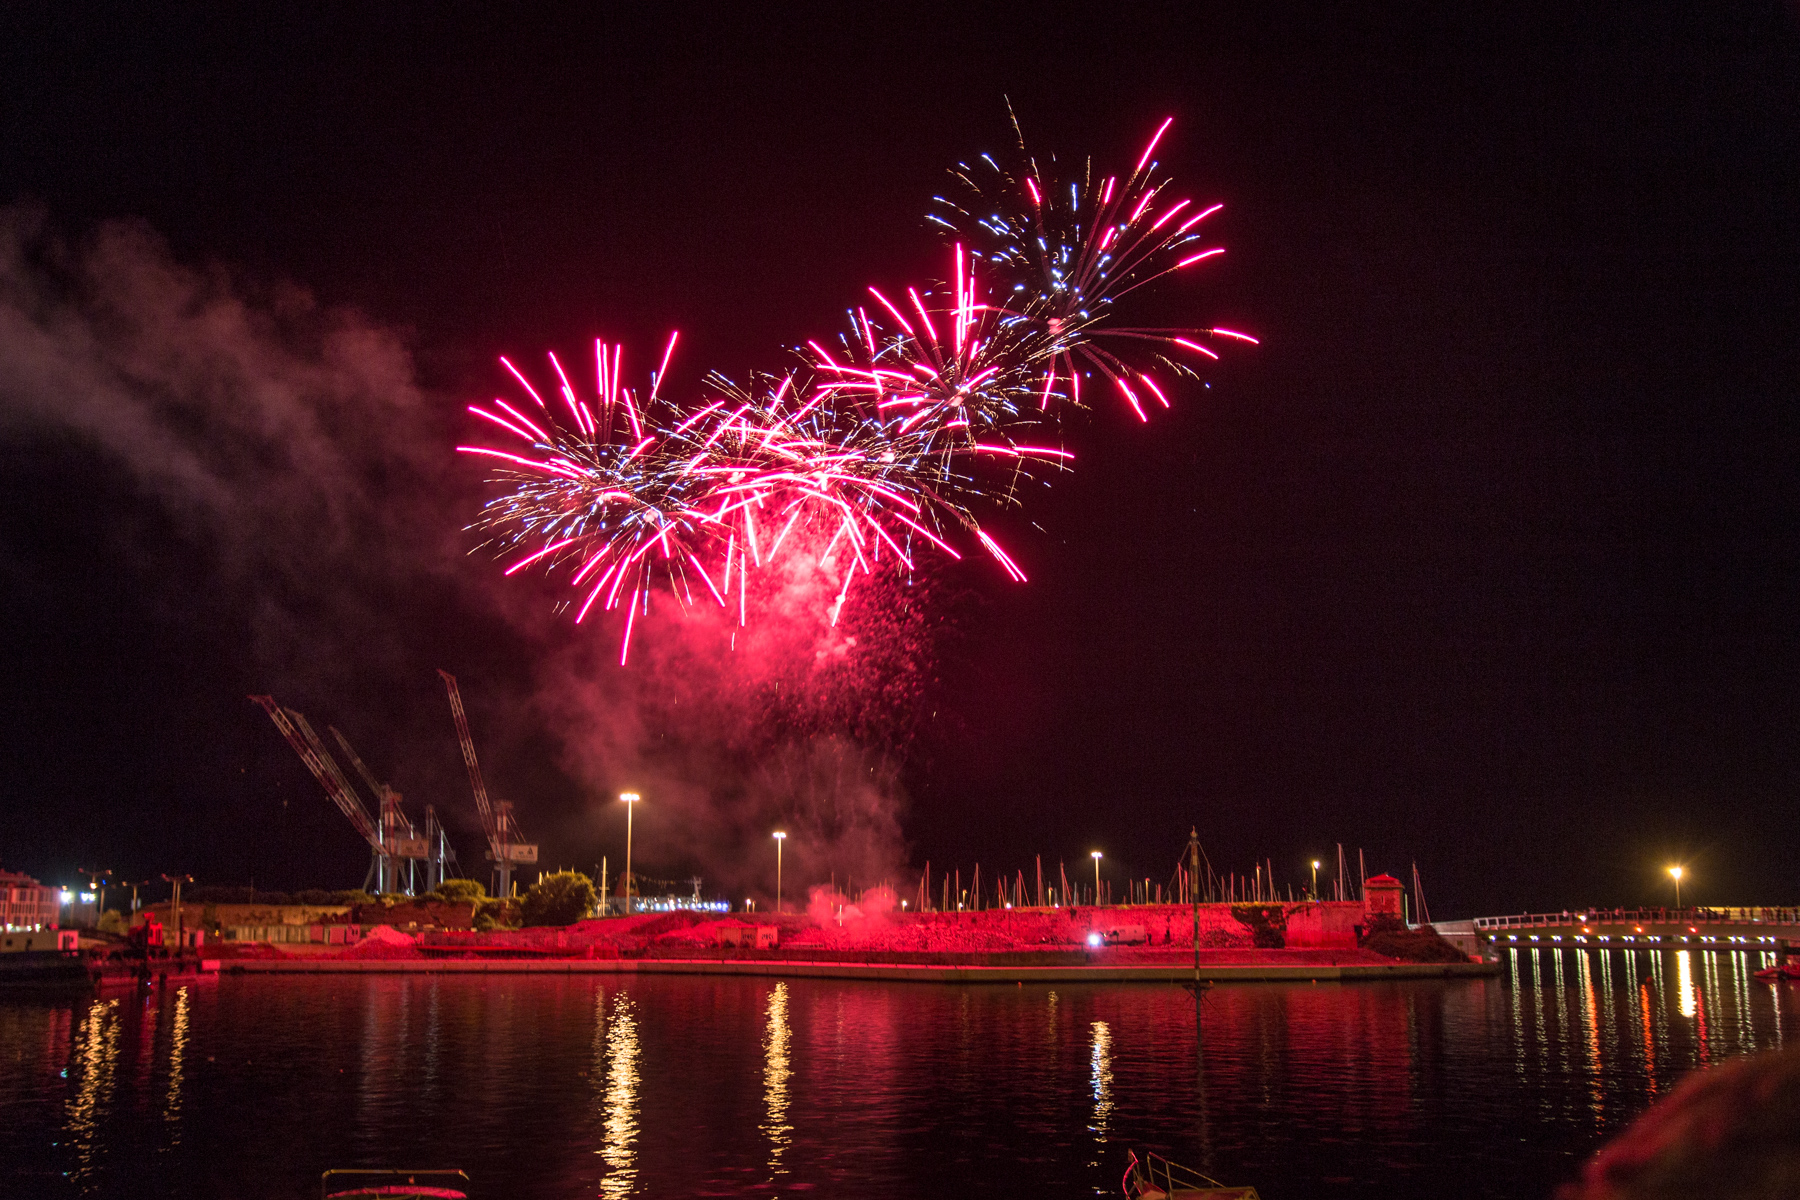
629 797
1676 872
1095 854
778 835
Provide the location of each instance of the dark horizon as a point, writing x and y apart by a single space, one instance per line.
1484 559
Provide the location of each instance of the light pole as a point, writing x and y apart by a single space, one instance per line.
780 837
1095 855
629 799
1676 873
1315 889
175 904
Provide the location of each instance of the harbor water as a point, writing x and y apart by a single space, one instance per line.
617 1086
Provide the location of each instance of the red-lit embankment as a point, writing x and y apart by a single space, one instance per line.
1148 942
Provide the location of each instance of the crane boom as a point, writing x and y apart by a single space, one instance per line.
343 781
368 776
489 825
323 768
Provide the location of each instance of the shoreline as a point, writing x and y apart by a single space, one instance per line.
900 972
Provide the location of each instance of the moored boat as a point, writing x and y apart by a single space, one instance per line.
1154 1177
359 1183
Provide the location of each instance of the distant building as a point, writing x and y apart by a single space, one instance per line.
27 905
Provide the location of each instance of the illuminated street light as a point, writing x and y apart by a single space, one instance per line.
1676 873
630 800
779 837
1315 863
1095 855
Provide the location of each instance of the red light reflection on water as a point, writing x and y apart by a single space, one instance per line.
692 1085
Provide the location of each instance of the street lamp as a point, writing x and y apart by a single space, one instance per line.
1315 863
629 799
1095 855
1676 873
780 837
175 904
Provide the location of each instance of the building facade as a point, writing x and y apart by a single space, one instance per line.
26 904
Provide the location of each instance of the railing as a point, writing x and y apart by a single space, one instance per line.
1642 916
1154 1176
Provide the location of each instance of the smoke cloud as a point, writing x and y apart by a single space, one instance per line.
864 918
295 450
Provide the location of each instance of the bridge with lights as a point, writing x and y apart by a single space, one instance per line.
1771 930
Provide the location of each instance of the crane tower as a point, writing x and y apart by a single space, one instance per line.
393 842
506 847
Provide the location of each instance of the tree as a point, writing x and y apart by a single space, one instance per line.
560 899
462 891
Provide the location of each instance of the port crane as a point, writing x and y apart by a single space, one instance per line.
506 847
397 830
392 840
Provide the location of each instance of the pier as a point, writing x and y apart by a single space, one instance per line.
1768 929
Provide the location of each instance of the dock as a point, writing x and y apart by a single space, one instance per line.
961 973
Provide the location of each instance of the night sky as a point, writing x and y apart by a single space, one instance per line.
1484 559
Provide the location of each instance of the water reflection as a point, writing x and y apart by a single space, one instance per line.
618 1147
1590 1034
1101 1069
96 1055
178 1038
697 1086
775 1077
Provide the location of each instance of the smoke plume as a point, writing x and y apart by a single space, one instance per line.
310 476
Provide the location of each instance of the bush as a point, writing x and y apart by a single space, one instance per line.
496 914
113 922
560 899
461 891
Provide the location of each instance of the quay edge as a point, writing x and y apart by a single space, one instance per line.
913 973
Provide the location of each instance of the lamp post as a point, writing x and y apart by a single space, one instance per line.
175 904
1095 855
780 837
1676 873
1315 888
629 799
97 881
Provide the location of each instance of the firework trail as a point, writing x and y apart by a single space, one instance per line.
629 494
1071 252
888 444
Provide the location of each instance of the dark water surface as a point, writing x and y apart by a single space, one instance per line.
658 1086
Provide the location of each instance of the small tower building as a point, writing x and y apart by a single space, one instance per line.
1382 898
